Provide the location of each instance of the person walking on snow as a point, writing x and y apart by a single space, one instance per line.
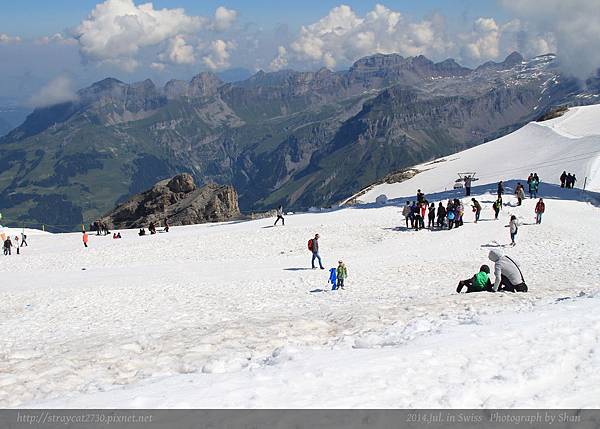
85 239
540 208
280 216
573 180
431 216
508 273
24 240
406 213
480 282
533 186
500 190
476 209
313 246
514 229
342 274
563 179
17 244
424 205
416 213
497 206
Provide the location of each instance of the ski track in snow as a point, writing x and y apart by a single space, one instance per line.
230 315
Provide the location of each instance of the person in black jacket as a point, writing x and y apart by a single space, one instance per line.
431 216
441 215
500 189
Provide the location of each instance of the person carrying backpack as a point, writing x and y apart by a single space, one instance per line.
508 273
342 274
24 240
540 208
497 206
563 179
431 216
313 246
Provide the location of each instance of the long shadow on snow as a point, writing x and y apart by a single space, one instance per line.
546 191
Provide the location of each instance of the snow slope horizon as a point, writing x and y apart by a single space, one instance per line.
231 315
570 142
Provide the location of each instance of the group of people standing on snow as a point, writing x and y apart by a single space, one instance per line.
8 244
567 180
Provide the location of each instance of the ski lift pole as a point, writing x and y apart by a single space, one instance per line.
584 183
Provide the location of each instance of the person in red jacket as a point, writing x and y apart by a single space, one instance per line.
540 208
85 239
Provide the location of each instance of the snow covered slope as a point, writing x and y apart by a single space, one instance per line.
570 142
231 315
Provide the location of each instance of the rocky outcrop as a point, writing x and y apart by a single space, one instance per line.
179 201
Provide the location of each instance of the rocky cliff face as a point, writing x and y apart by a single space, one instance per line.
179 201
299 139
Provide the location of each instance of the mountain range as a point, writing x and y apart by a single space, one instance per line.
299 139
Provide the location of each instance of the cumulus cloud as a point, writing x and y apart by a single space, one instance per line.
224 18
179 52
116 30
571 27
218 55
58 90
486 43
5 39
344 36
280 61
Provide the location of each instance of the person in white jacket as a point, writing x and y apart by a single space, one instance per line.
507 272
514 229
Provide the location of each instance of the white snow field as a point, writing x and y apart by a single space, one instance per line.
231 315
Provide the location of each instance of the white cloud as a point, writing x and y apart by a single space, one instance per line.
224 18
58 90
179 52
116 30
158 66
280 61
344 36
570 27
57 38
218 55
485 43
5 39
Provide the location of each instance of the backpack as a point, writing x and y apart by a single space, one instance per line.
310 245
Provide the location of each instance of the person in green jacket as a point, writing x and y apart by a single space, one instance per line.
342 273
480 282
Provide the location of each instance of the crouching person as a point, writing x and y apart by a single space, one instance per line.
508 274
480 282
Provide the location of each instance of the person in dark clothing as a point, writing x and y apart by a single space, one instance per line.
420 197
441 215
142 232
497 207
314 248
468 182
152 228
7 246
500 189
24 240
166 225
568 181
280 216
418 218
480 282
450 214
563 179
573 180
413 210
431 216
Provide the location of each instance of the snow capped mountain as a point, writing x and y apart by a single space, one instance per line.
231 315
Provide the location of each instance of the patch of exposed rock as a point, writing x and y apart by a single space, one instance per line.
179 201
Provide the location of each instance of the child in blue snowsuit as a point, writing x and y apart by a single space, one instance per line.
333 278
